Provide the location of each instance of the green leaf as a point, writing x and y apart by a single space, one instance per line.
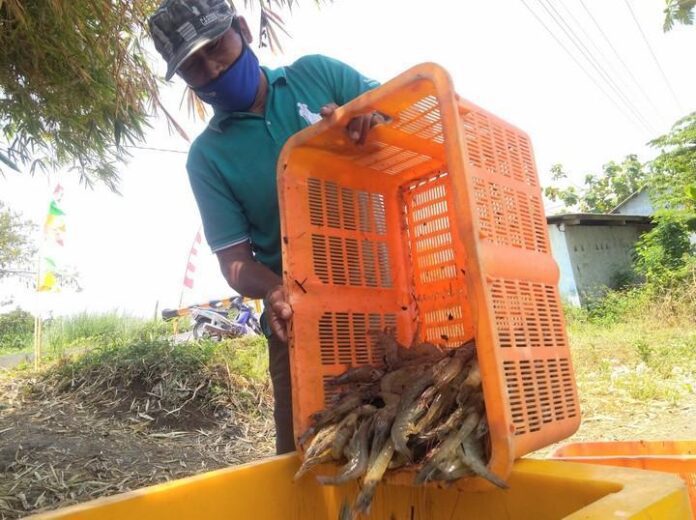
5 159
691 223
691 191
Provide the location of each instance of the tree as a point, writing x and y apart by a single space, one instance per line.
600 193
76 83
674 169
16 247
666 254
681 11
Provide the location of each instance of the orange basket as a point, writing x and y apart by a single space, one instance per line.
668 456
436 224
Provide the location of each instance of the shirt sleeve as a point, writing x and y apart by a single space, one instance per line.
224 221
346 82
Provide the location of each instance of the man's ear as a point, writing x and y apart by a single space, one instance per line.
244 29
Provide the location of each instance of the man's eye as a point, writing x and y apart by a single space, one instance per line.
214 45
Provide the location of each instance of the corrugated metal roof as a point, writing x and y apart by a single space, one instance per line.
598 219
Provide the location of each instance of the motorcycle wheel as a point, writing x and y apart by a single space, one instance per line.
255 326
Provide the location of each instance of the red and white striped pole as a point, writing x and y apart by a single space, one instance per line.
191 265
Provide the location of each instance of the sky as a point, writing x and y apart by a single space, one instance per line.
131 250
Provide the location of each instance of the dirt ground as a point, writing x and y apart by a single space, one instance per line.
60 452
636 420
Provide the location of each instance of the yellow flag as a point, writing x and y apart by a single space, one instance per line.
54 233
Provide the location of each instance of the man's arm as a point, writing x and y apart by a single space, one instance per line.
254 280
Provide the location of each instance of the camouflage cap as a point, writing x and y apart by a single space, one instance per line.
181 27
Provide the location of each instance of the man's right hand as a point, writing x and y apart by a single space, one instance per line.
359 126
278 311
252 279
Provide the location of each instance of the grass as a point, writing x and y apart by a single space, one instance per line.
635 359
635 348
77 332
16 331
85 329
146 346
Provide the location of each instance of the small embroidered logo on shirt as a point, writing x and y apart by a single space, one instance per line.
306 114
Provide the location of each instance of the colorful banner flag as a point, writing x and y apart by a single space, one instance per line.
53 242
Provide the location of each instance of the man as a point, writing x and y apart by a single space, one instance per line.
232 164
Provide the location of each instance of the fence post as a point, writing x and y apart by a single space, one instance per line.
37 341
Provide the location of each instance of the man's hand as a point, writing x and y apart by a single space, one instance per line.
254 280
279 311
358 127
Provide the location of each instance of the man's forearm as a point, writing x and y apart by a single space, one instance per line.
250 278
254 280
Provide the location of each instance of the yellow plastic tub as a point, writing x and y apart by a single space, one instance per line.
671 456
539 489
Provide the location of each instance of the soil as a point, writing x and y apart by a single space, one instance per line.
635 420
56 453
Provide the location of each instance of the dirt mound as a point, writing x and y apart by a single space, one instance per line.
160 385
115 420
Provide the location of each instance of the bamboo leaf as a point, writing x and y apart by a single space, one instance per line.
5 159
77 82
171 121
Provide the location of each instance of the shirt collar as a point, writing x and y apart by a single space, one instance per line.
220 116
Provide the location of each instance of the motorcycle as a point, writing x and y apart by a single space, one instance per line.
213 320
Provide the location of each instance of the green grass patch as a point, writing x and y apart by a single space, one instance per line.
633 347
634 354
102 330
148 355
79 332
246 356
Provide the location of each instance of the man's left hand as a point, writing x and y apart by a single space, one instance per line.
359 126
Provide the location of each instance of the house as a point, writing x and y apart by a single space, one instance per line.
593 250
638 203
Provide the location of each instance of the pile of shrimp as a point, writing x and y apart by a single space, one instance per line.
423 409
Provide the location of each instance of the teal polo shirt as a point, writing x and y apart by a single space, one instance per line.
232 164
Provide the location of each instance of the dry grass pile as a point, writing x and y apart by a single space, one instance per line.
159 384
122 417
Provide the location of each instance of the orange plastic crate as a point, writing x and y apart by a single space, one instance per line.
436 222
669 456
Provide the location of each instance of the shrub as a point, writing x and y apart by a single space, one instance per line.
16 330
